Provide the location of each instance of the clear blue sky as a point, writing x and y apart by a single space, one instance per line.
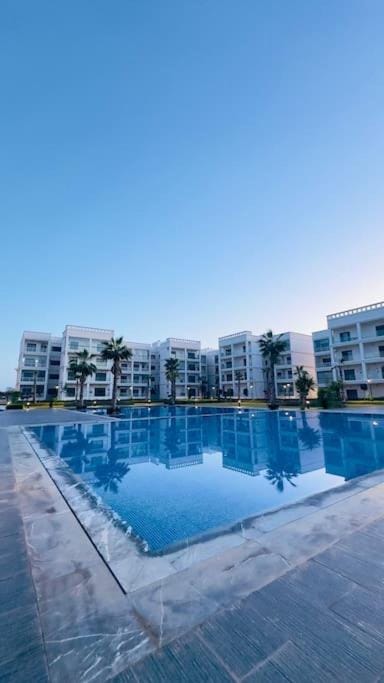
189 167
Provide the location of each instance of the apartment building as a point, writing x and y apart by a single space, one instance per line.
38 370
352 349
298 352
210 370
188 353
241 363
44 367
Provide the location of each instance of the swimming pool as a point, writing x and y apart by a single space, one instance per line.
177 474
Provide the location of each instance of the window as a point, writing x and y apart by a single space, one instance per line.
191 378
321 345
349 375
381 351
70 376
43 347
99 391
382 372
53 376
228 377
56 348
73 345
70 391
326 360
380 330
191 355
345 336
31 346
324 377
346 355
228 363
55 362
101 377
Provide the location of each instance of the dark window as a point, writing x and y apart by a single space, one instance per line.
346 355
349 375
345 336
55 362
56 348
321 344
99 391
53 376
380 330
101 376
70 391
352 394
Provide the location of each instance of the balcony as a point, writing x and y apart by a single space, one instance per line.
345 342
379 358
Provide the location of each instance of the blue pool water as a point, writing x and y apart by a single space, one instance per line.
174 474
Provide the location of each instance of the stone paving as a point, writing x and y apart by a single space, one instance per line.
65 618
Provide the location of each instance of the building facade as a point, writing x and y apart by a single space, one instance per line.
242 366
236 366
351 349
38 369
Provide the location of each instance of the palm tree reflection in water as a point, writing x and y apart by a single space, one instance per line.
110 474
309 437
283 465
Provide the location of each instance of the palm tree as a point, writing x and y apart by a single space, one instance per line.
238 378
116 351
271 347
172 366
81 367
304 384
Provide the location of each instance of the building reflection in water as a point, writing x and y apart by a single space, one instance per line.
280 446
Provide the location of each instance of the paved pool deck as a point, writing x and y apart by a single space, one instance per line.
301 600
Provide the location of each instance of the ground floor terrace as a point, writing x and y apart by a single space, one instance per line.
294 594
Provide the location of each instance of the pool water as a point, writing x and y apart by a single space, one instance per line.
176 474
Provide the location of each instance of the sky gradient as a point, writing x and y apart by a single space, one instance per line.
189 168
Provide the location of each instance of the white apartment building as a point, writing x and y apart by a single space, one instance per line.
352 349
212 372
44 363
241 360
188 353
299 351
38 369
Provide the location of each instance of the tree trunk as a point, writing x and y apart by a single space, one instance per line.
272 379
114 387
173 391
303 398
81 397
